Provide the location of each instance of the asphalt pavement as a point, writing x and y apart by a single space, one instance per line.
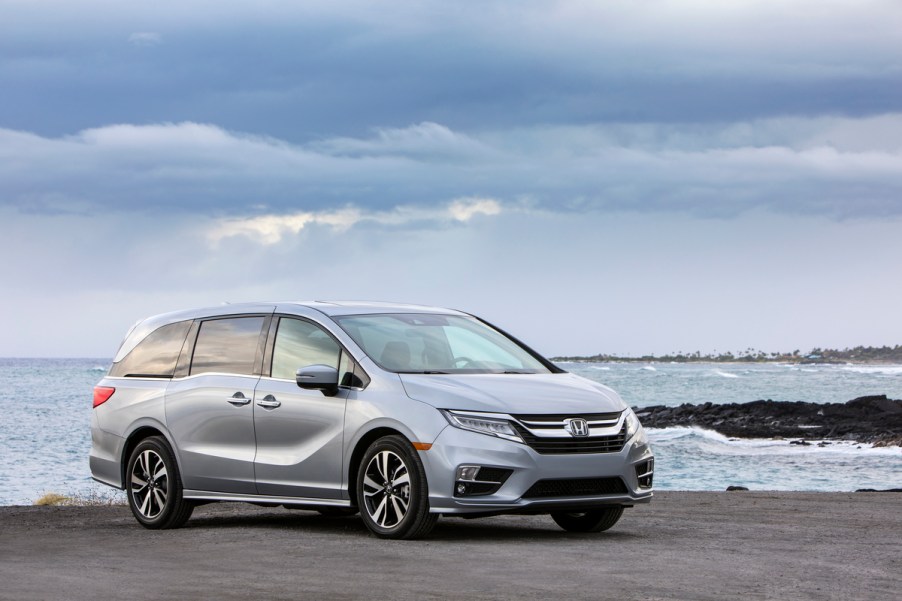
698 546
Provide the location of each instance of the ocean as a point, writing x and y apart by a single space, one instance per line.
45 426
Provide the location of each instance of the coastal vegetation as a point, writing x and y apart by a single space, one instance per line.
52 498
859 354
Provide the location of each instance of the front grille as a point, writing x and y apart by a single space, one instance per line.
569 444
558 419
583 487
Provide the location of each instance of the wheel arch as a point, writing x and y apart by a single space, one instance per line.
360 447
140 431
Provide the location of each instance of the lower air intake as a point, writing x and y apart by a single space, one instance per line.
583 487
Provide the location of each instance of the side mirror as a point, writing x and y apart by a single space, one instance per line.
318 377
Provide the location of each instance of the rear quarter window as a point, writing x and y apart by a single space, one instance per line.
156 355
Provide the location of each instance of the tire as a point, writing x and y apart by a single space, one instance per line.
154 486
392 492
597 520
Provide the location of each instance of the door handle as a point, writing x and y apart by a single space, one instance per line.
269 402
238 399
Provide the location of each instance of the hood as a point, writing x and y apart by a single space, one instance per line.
512 393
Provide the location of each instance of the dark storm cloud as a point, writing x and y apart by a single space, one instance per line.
302 71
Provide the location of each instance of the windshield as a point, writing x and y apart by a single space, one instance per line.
423 343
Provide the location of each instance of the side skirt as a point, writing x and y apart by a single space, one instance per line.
203 495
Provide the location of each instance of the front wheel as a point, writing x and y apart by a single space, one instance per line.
597 520
392 492
154 487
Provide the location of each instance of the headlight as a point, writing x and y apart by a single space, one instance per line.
633 426
480 422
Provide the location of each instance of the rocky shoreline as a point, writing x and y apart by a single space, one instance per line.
867 419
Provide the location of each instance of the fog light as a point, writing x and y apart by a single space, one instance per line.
645 472
467 473
479 480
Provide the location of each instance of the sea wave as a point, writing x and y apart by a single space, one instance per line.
715 442
724 374
887 370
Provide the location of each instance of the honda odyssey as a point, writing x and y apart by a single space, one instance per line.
401 413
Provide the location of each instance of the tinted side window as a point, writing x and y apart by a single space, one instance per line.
155 356
227 346
301 343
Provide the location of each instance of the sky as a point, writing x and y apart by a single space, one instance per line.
606 176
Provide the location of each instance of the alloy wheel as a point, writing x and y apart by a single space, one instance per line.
386 489
149 484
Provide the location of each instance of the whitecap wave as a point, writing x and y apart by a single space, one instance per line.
716 443
649 368
724 374
888 370
663 435
99 368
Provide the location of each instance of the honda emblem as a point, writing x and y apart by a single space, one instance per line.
576 426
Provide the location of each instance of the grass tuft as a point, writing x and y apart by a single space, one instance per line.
52 498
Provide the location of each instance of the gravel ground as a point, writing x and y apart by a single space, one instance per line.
696 546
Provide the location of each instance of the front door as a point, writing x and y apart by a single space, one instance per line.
299 432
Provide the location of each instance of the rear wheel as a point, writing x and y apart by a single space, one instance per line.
596 520
392 492
154 486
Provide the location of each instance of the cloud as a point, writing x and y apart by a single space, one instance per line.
466 209
835 167
271 229
145 38
405 149
419 141
313 70
788 278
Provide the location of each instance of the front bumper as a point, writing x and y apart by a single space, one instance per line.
455 447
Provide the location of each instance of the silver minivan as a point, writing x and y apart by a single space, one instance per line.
403 413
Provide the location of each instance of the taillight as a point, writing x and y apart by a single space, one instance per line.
102 394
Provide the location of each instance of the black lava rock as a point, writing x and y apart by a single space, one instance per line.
871 419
